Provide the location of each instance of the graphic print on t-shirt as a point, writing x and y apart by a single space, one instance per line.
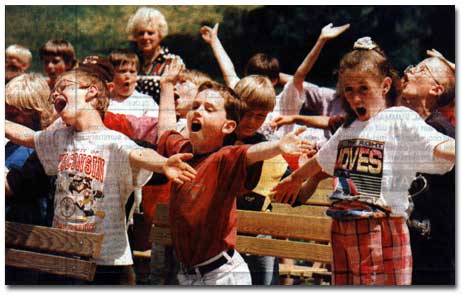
359 167
78 203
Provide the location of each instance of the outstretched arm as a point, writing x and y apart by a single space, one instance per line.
446 150
210 36
288 144
321 122
288 189
19 134
174 167
328 32
167 119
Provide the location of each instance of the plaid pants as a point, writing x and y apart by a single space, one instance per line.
371 251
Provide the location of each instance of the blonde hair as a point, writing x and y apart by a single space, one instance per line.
85 79
30 93
23 53
143 17
194 76
257 92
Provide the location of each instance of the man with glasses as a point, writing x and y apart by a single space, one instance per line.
427 87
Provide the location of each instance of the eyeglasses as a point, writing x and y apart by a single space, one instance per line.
423 67
56 100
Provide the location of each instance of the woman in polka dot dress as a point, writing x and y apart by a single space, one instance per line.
146 28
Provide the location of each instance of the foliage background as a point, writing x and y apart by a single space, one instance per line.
286 32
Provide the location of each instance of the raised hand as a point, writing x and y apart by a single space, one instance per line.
209 34
177 170
172 69
287 190
329 32
434 53
291 144
280 120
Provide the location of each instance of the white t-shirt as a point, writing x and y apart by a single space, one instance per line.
94 181
138 104
289 102
382 156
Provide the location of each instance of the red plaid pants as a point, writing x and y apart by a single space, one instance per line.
371 251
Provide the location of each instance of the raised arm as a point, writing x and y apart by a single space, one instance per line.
445 150
210 36
288 144
167 119
19 134
174 167
328 32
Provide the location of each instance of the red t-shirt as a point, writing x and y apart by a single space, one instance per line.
202 213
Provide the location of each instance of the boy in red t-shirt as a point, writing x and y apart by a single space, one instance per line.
202 213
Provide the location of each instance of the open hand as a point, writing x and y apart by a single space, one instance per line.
329 32
280 120
434 53
287 190
291 144
172 69
177 170
209 34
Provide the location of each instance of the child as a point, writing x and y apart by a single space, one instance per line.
202 215
374 157
258 94
428 85
17 60
97 168
179 87
124 98
26 103
57 56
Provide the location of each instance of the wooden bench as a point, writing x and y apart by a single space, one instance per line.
51 250
308 235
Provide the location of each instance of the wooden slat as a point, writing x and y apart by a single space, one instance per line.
74 268
161 217
275 224
265 247
305 210
161 235
302 271
284 248
284 225
53 239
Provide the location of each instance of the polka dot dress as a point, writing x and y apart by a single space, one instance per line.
149 83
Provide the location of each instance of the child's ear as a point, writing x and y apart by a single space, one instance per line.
24 66
228 127
110 86
92 93
436 90
386 85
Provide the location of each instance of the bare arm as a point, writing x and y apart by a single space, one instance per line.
321 122
210 36
167 119
174 167
446 150
19 134
328 32
288 189
289 144
8 191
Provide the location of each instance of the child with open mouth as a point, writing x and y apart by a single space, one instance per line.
374 158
